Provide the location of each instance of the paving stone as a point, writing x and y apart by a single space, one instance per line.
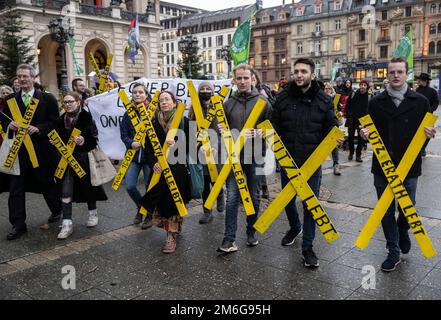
433 279
92 294
425 293
10 292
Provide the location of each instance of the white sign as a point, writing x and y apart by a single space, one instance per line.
107 109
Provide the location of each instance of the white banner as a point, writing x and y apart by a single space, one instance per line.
107 110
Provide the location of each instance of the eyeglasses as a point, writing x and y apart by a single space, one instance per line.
66 102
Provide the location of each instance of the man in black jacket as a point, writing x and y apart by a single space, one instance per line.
426 90
397 113
303 115
40 179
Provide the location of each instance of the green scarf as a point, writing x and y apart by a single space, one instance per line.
165 119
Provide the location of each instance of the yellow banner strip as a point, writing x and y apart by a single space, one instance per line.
299 182
63 150
103 77
336 100
22 136
203 125
62 165
396 187
237 148
307 170
160 155
234 158
2 133
140 134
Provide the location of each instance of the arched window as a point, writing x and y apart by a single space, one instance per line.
432 29
432 47
438 47
433 8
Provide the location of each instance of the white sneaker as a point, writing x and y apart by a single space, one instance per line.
93 219
66 229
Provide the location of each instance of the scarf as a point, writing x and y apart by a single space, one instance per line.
165 118
397 95
70 119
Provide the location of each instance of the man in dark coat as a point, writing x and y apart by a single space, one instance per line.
397 113
303 115
426 90
40 179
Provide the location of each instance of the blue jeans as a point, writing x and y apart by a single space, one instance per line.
131 179
233 198
293 215
392 227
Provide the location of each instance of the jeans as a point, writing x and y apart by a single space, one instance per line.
293 215
335 156
392 227
131 179
233 198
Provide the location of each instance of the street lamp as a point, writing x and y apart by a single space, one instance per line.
349 64
188 45
60 31
226 55
371 63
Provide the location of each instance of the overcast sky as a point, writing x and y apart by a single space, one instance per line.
223 4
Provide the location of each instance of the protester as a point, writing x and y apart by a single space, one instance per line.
40 179
16 84
139 162
159 199
237 110
338 88
355 109
430 93
79 86
205 92
329 90
302 128
397 113
74 188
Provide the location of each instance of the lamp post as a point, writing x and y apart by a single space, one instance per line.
226 55
371 62
60 31
349 64
188 45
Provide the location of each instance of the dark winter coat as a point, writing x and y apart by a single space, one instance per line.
356 108
397 126
83 189
431 95
160 197
303 119
39 179
128 132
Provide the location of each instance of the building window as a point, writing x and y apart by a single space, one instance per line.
407 28
209 42
210 55
218 54
433 8
283 58
408 11
264 45
382 73
337 44
277 59
383 52
168 59
299 48
264 76
438 47
432 29
337 24
361 35
299 12
337 5
361 54
318 8
384 15
265 61
210 68
204 55
299 29
219 41
432 47
317 46
220 67
204 42
439 27
168 71
252 62
236 23
360 17
229 39
360 74
384 32
439 8
318 68
173 59
281 43
167 46
251 46
318 27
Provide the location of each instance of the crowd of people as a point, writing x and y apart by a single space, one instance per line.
303 112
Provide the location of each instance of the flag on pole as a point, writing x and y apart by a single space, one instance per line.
78 68
240 44
133 39
405 51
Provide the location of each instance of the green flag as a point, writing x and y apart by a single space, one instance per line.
405 51
240 44
78 68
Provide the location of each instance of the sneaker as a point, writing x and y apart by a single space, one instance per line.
55 217
310 259
423 153
265 193
337 170
138 219
227 246
351 157
221 203
93 219
170 244
207 217
66 229
290 237
148 223
358 159
252 240
390 263
404 241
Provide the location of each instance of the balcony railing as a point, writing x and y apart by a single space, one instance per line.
317 34
383 39
50 4
95 10
316 53
127 15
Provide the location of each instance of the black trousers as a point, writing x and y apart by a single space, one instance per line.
351 136
17 197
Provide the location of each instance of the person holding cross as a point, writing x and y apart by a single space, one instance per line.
74 188
397 113
36 171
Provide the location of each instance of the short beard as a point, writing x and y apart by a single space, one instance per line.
305 85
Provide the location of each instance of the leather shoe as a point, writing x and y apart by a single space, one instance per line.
16 233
